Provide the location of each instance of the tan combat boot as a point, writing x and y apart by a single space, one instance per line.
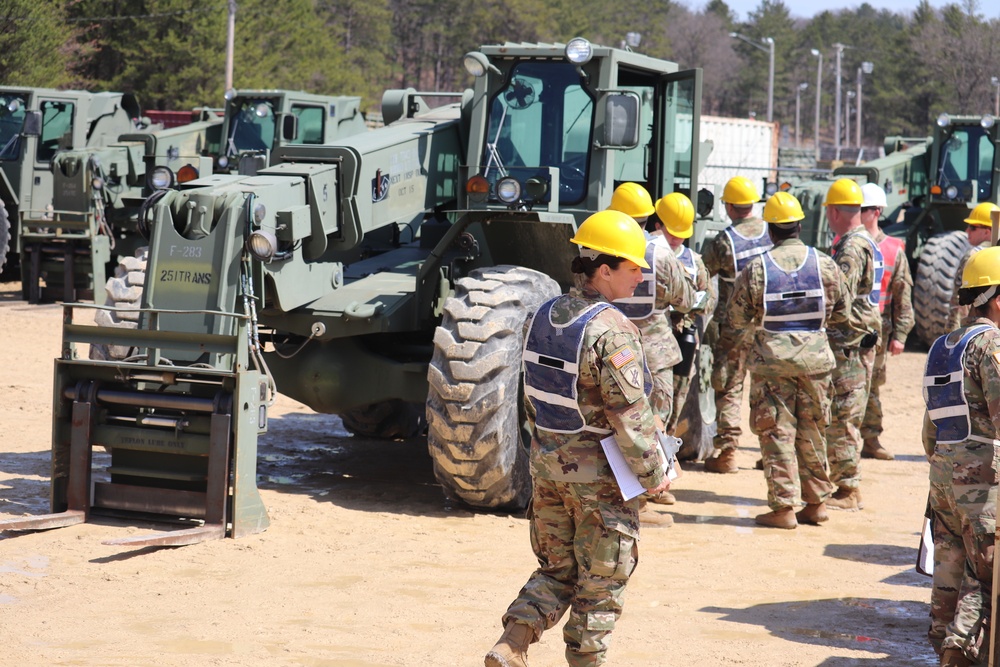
648 517
663 498
511 650
783 518
873 449
813 514
953 657
846 499
725 462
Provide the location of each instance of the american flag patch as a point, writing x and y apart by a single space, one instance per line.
622 357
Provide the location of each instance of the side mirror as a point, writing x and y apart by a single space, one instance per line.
289 127
621 120
32 124
706 203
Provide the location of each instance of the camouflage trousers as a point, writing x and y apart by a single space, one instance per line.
790 416
682 383
963 499
728 374
850 383
871 425
586 540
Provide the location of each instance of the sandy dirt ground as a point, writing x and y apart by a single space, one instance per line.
365 564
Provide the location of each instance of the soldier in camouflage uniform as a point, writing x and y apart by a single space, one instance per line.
978 230
897 314
583 381
675 222
961 436
860 260
665 286
788 296
725 257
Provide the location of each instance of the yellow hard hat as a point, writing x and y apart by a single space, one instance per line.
739 191
632 199
676 212
980 215
844 192
782 208
613 233
983 268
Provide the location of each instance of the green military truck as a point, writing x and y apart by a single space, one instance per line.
385 278
35 125
931 184
258 122
99 196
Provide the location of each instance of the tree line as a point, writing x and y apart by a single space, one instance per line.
172 53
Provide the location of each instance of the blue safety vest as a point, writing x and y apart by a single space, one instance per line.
944 388
551 361
746 248
686 258
874 296
793 300
642 303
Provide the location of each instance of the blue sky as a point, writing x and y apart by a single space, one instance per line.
987 8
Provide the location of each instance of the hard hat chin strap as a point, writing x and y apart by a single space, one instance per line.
985 296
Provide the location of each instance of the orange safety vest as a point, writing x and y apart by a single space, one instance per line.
890 247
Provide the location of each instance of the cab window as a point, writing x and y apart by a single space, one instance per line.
57 126
310 124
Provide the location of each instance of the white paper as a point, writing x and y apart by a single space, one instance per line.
925 553
627 480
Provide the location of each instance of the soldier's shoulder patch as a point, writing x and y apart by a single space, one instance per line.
996 358
633 375
621 357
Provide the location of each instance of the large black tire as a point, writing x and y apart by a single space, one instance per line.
696 425
474 417
388 419
124 290
934 284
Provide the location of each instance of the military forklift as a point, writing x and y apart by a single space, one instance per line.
385 278
36 124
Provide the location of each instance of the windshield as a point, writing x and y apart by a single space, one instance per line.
967 156
251 125
543 118
11 120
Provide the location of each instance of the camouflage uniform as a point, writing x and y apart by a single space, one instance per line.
694 267
897 321
790 374
584 535
851 380
731 345
959 313
674 289
963 497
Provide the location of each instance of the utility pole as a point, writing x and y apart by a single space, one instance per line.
819 91
866 68
798 105
230 41
770 69
836 127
